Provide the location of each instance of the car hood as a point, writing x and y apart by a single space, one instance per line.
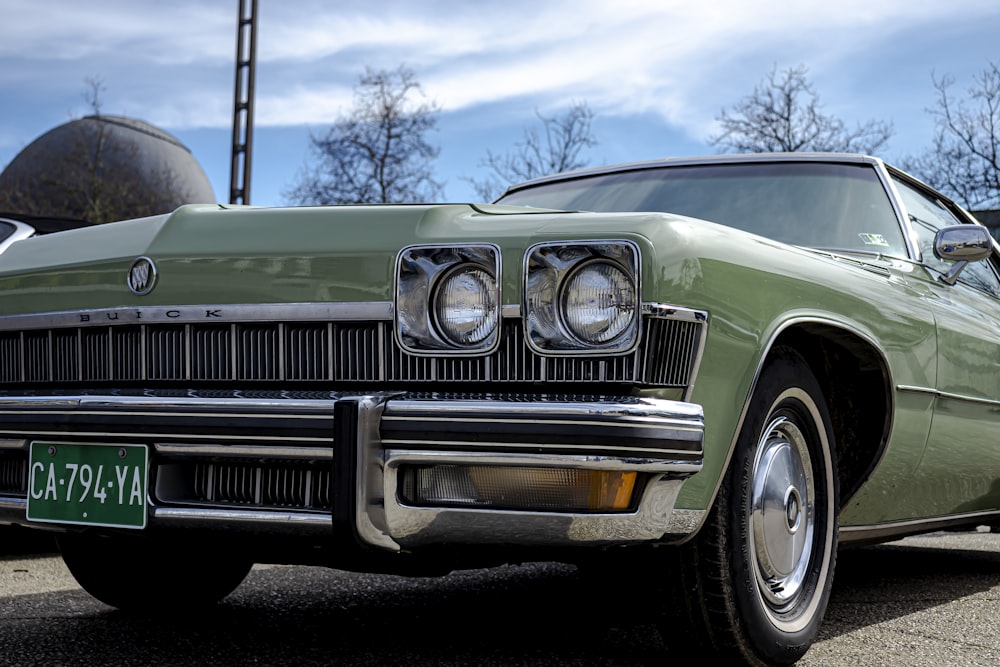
208 254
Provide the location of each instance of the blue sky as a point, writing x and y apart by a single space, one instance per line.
656 74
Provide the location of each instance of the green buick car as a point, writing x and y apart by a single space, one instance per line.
702 376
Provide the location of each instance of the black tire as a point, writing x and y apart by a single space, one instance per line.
753 585
151 576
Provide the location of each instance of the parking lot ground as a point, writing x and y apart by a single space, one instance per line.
924 601
927 600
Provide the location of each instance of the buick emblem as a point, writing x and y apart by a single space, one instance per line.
142 276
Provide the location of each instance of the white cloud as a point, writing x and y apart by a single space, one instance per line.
181 31
173 62
624 57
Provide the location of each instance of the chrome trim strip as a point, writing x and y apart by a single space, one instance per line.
535 460
398 457
879 532
12 502
202 313
257 521
17 507
639 456
899 209
248 451
638 411
640 422
846 158
291 312
14 444
95 402
668 312
179 436
160 413
948 395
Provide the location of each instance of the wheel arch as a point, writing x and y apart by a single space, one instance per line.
856 383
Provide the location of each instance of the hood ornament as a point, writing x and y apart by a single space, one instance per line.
141 276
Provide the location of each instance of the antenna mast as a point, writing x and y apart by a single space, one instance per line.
246 56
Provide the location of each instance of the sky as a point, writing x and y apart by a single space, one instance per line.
655 73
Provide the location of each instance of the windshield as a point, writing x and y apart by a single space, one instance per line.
813 204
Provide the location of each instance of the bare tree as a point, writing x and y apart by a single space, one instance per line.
784 114
964 161
555 148
377 153
93 92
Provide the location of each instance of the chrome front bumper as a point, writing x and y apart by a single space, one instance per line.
366 440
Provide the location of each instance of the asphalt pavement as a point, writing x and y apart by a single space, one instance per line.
932 600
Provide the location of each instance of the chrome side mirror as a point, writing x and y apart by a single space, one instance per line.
962 244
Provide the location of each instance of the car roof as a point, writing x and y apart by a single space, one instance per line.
724 158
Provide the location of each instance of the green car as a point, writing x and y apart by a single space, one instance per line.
715 369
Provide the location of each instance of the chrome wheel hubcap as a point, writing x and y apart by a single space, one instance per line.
782 513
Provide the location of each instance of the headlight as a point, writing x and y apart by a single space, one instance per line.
448 299
582 297
598 302
465 305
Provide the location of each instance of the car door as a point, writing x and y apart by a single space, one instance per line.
959 472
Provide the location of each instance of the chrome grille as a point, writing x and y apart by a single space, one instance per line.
362 352
281 484
13 472
666 346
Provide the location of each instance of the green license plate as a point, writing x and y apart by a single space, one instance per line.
91 485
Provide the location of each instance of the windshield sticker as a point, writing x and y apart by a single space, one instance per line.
873 239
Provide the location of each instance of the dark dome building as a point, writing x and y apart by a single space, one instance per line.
103 168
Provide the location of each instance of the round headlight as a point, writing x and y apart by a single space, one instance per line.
465 306
598 302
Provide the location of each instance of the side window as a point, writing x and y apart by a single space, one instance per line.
927 216
6 229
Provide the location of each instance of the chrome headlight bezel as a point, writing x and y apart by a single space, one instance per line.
549 271
422 272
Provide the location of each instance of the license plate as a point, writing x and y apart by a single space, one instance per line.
91 485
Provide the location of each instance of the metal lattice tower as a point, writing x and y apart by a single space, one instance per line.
246 56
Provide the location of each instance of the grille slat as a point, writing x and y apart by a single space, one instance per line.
10 358
359 352
279 484
13 472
